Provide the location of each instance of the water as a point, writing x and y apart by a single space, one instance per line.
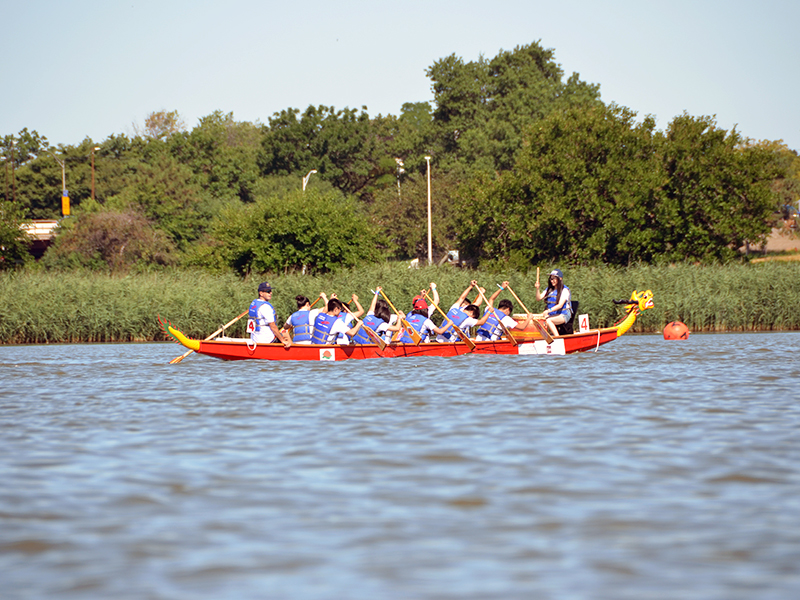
649 469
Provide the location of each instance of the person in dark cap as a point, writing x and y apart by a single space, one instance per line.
558 299
261 319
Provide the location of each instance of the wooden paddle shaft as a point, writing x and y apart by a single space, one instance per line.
539 327
499 319
220 330
455 327
370 333
518 300
411 331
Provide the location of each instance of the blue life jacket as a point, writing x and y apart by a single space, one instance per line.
491 326
252 314
551 299
302 326
371 321
416 321
457 316
322 328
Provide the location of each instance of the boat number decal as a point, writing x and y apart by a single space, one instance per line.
583 323
327 354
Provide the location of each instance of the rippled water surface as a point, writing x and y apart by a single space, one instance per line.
649 469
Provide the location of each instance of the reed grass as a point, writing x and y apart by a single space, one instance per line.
47 307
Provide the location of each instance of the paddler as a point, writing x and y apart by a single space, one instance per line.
491 330
328 326
464 315
379 319
301 322
261 319
419 318
348 316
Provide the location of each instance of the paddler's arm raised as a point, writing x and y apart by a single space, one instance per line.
374 302
360 308
435 291
463 297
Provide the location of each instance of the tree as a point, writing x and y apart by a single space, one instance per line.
341 145
402 218
786 186
160 125
581 191
307 231
165 192
717 196
483 107
222 154
594 186
109 240
13 241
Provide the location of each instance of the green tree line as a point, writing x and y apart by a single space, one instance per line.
526 165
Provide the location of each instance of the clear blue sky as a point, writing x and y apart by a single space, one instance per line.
79 68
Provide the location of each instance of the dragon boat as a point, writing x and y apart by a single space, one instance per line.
527 341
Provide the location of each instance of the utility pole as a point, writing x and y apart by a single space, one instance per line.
93 149
430 239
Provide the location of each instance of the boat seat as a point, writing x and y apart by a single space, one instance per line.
566 328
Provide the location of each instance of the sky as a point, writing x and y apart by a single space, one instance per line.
86 68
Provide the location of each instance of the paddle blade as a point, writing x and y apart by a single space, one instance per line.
412 332
542 329
375 338
508 334
462 336
178 359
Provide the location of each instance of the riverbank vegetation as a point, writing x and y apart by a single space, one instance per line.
526 165
82 306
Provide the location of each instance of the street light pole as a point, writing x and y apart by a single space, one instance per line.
307 177
13 179
430 240
5 160
64 192
93 149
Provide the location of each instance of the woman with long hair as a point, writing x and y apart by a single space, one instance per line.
558 299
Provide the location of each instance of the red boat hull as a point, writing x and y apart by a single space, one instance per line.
525 342
528 344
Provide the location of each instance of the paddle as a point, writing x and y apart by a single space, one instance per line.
464 337
370 332
178 359
406 325
505 329
539 327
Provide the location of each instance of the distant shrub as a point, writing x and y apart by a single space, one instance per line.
110 240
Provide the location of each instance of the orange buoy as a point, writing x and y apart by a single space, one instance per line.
676 331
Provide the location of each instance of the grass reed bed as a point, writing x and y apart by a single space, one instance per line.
46 307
